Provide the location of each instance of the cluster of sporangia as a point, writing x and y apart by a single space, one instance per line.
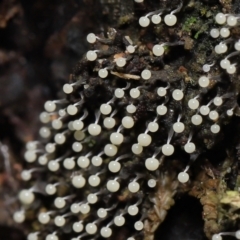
106 142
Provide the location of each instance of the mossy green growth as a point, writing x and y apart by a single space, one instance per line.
188 24
203 28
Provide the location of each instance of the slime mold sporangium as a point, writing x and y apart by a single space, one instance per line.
149 113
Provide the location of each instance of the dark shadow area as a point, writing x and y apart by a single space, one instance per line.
183 222
9 233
